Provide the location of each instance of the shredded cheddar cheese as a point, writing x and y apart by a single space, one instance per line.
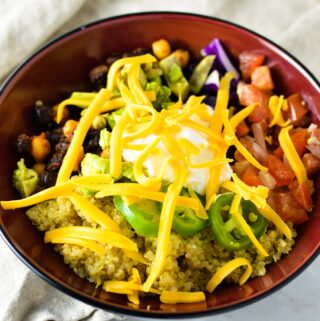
235 210
92 234
292 155
166 216
173 297
227 269
80 133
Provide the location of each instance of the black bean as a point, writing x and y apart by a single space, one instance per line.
54 136
43 115
48 178
23 144
98 75
91 144
113 58
141 51
54 162
62 146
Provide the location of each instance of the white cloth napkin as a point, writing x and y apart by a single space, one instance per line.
27 24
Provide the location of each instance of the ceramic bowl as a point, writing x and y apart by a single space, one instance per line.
61 67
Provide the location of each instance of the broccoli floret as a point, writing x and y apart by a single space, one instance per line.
112 117
104 140
25 180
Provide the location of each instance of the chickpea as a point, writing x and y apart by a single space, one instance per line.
69 127
182 56
105 153
79 159
40 148
161 48
39 167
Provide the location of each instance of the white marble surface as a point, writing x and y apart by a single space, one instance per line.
294 24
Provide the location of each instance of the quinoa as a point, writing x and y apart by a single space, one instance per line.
190 263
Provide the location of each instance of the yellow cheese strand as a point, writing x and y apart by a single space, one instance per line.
165 224
135 87
273 217
91 245
137 190
173 297
47 194
138 166
188 146
134 146
135 279
111 79
113 286
252 195
293 157
234 210
94 213
227 269
212 163
214 177
106 237
70 101
201 213
222 102
93 179
241 115
199 127
275 105
119 102
264 210
210 201
150 128
231 138
80 133
190 107
116 144
171 144
104 220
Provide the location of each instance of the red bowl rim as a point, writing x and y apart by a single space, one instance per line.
122 310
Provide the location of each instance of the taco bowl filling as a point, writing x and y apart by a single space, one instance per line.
172 175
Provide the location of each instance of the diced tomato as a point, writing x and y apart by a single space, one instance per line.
299 140
279 170
302 194
248 62
242 129
311 163
249 94
297 108
261 78
288 208
237 156
251 176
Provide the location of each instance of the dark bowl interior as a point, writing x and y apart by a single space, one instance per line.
61 67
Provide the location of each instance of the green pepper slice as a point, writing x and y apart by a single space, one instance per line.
226 228
144 217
